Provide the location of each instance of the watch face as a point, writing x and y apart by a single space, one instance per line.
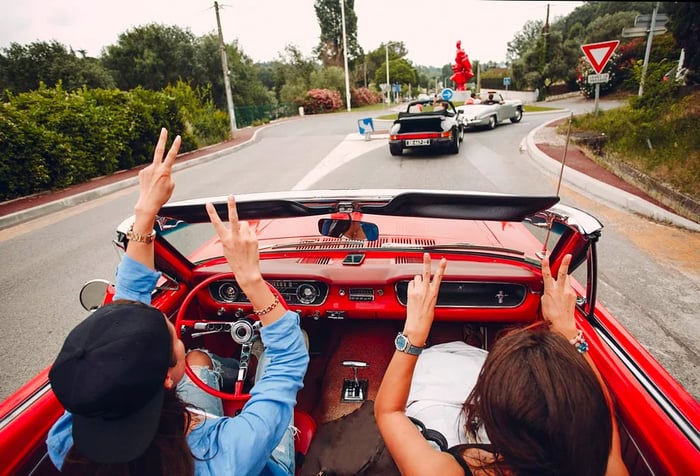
401 342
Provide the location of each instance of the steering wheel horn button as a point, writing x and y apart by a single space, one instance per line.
403 344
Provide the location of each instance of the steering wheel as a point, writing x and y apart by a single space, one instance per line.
242 331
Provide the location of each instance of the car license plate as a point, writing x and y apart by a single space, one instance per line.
415 142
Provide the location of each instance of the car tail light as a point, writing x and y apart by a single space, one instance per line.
446 134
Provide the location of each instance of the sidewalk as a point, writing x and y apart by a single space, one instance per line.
544 145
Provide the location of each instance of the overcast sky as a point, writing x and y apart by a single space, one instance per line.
429 29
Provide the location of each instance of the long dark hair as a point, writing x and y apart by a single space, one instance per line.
168 453
541 406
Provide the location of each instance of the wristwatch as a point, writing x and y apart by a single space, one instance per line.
404 345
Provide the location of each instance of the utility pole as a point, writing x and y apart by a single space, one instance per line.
224 66
345 55
648 50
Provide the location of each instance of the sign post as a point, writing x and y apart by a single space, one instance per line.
598 54
366 127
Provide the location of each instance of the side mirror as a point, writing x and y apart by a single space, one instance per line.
92 294
352 230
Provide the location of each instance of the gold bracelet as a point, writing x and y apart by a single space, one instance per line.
268 309
147 238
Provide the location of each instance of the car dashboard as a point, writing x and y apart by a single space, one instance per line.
374 285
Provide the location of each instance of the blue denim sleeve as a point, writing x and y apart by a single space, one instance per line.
60 439
248 439
135 281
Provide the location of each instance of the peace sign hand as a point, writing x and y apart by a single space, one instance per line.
155 181
559 298
422 296
240 244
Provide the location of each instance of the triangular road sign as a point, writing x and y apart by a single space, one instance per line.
598 54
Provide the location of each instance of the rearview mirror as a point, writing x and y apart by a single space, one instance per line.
92 294
350 229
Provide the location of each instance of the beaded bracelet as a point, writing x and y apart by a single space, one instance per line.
268 309
579 342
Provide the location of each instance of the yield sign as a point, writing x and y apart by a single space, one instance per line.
598 54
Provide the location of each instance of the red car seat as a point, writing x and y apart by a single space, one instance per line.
302 440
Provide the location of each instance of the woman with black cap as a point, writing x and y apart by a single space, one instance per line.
118 370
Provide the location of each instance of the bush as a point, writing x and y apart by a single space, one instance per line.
51 138
32 158
584 68
317 101
365 97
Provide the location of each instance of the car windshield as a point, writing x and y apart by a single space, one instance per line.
198 243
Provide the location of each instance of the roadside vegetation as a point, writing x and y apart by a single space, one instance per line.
656 134
66 117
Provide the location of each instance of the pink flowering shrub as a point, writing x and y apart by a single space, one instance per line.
584 68
317 101
364 97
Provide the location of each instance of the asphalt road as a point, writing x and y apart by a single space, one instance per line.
648 279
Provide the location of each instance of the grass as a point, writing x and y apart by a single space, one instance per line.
660 141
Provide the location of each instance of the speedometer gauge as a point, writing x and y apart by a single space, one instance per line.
228 292
307 293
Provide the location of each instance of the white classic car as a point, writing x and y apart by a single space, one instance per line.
488 109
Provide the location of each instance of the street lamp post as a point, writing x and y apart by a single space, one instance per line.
388 83
345 55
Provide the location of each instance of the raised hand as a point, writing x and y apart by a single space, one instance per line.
422 296
239 242
559 298
155 181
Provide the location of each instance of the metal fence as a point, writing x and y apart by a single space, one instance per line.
254 115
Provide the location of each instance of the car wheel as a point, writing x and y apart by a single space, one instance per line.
395 149
492 122
518 116
454 145
461 134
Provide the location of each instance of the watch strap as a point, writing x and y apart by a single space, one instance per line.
408 349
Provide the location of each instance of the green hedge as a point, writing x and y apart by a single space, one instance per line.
51 139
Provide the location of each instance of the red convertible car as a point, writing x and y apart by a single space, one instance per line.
342 259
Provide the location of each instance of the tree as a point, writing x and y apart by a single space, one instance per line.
685 27
330 48
523 40
332 77
153 56
376 59
608 26
24 68
400 71
246 87
293 69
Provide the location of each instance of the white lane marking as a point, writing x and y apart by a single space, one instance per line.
353 146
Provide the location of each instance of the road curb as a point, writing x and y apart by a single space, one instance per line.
600 190
17 218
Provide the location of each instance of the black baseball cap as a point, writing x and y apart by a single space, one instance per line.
109 374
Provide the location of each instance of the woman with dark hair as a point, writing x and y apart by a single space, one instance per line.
538 397
118 371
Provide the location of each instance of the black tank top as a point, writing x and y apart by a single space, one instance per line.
458 450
